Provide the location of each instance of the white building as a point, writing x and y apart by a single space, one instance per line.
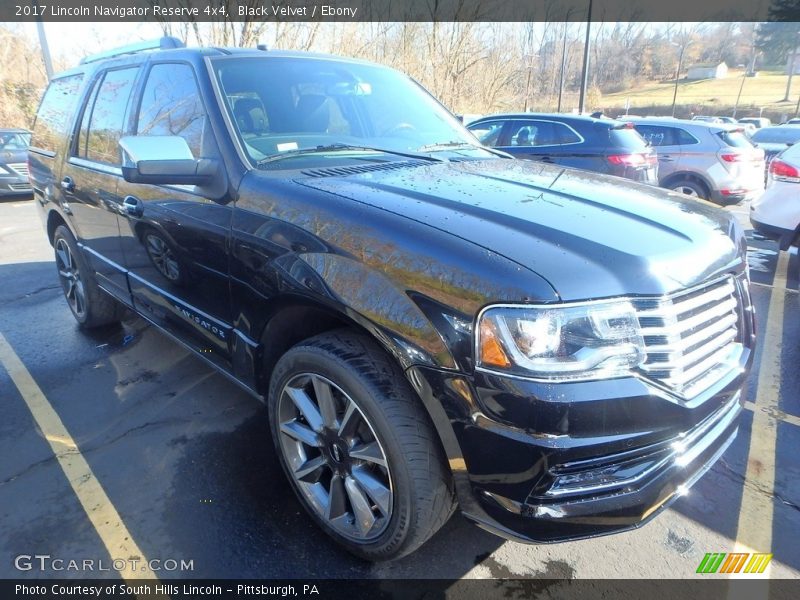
707 71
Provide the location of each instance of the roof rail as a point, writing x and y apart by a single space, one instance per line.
164 43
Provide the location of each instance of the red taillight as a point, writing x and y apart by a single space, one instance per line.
732 157
783 171
632 160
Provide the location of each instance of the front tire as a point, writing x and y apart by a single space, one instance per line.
90 305
357 446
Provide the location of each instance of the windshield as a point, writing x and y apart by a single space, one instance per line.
285 105
777 135
14 140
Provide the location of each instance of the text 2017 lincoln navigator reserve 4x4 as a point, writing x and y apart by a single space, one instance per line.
430 322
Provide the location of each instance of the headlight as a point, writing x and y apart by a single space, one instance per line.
596 340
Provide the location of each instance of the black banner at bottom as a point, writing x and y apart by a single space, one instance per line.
403 589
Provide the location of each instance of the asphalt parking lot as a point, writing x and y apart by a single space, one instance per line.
159 454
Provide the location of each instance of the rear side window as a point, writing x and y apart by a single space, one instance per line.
171 105
106 122
735 139
542 133
627 138
685 138
657 135
55 112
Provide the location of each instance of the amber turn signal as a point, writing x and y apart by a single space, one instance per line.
492 352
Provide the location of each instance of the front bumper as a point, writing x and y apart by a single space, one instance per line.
538 462
15 186
656 479
784 236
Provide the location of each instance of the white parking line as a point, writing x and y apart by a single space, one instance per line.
101 512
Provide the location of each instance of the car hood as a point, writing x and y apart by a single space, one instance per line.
13 156
589 235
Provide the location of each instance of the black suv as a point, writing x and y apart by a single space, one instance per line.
429 322
601 145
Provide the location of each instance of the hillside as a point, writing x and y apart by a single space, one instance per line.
711 96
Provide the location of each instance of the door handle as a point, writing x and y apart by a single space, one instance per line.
666 158
133 206
68 184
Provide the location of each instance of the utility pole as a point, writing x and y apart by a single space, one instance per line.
744 76
678 75
791 72
48 64
529 58
585 81
528 87
563 63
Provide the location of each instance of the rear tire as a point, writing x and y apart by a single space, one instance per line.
690 188
358 447
90 305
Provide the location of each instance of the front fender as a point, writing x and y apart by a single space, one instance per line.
375 298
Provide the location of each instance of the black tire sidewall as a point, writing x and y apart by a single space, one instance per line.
63 233
310 359
702 193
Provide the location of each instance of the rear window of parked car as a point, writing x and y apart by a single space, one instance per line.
735 139
54 114
627 138
777 135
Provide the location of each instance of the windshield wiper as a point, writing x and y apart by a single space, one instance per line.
335 147
447 146
462 145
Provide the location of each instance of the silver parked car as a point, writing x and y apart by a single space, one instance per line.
757 122
14 162
713 161
774 140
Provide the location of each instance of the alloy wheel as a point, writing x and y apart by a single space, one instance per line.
334 457
685 189
162 256
70 276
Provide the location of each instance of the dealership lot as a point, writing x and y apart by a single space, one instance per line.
162 458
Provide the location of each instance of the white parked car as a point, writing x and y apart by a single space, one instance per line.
776 214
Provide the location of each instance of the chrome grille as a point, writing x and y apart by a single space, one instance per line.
21 168
19 187
691 337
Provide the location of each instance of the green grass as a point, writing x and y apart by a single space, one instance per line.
704 97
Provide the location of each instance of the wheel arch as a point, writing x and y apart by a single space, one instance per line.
691 176
295 319
54 221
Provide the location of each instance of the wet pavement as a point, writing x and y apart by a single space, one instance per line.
184 457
